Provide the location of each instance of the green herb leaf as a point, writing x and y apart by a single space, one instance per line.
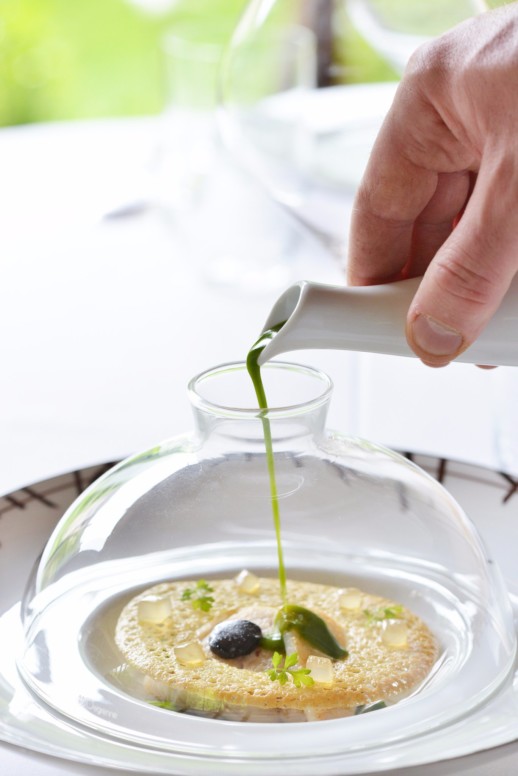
199 595
387 613
284 673
301 677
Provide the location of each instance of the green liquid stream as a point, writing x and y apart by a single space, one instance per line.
309 625
254 370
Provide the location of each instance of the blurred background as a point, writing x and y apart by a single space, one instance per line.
136 244
62 60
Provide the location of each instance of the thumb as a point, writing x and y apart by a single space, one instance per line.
468 277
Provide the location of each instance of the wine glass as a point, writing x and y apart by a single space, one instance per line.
396 28
305 86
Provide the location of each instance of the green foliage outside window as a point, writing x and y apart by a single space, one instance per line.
73 59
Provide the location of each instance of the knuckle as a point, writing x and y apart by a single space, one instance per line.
429 133
460 276
430 62
379 208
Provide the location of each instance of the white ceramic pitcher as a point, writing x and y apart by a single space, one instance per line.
372 319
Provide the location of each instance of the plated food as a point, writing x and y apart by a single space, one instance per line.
234 649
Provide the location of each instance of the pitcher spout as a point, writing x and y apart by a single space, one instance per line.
372 319
320 316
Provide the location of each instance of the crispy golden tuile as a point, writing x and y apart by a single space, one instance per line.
371 672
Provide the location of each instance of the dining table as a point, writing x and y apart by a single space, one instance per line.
110 304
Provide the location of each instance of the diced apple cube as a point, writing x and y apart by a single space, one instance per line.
247 582
395 634
321 669
154 609
190 654
351 599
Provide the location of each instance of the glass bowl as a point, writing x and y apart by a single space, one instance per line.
198 506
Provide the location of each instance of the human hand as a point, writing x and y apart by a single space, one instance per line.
439 196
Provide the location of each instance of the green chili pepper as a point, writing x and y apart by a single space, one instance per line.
274 642
311 627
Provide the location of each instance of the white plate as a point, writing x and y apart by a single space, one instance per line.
28 516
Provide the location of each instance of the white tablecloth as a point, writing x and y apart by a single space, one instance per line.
103 321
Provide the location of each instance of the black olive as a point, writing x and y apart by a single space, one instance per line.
235 638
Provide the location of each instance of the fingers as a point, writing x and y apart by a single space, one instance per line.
468 277
384 248
393 192
435 223
414 186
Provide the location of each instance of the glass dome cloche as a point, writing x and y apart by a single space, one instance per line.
172 537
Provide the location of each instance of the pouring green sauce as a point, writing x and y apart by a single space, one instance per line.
309 625
254 370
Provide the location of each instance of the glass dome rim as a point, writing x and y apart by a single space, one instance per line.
199 402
